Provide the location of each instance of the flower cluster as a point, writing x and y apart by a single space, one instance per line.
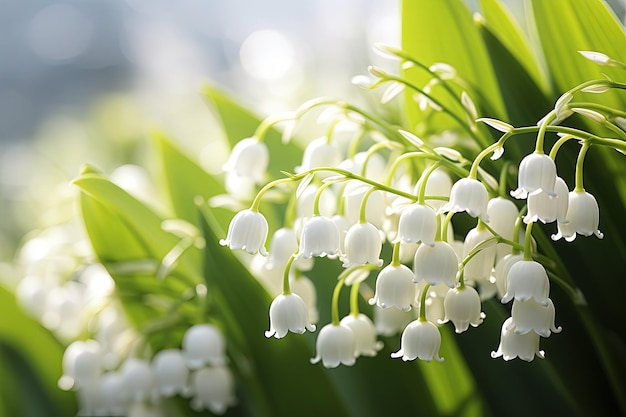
197 371
374 185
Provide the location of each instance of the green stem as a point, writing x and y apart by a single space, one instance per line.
354 299
580 161
354 144
395 257
599 107
257 200
363 207
527 242
335 301
557 145
422 316
444 229
286 285
542 131
318 195
370 152
504 175
268 123
424 179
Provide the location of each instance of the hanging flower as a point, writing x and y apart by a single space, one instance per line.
479 267
394 287
81 364
438 184
283 244
513 345
468 195
204 344
170 373
137 379
362 245
531 316
335 345
248 159
320 237
364 334
503 266
462 307
420 339
582 217
288 312
546 208
248 231
319 153
436 264
502 214
418 223
213 389
390 321
526 280
537 172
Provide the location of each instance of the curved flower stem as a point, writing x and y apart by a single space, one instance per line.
257 200
580 162
424 179
513 244
363 207
444 228
599 107
527 242
331 130
286 285
265 126
372 150
318 195
395 256
502 181
422 316
473 173
481 141
354 144
541 134
557 145
354 299
335 301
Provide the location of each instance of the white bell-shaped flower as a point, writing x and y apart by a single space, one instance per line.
537 173
82 364
502 214
531 316
249 158
213 388
526 280
319 237
170 373
582 217
248 231
418 223
288 312
306 202
468 195
362 245
137 379
546 208
462 307
336 344
503 266
204 344
420 339
109 400
390 321
343 226
283 244
319 153
438 184
479 267
364 334
394 288
304 287
436 264
513 345
353 194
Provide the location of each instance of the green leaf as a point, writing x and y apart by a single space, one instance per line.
505 29
240 123
184 179
565 27
443 31
30 360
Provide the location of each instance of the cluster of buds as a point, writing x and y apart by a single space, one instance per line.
399 191
197 371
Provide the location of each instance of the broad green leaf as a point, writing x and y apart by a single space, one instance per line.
240 123
30 360
184 179
443 31
565 27
502 25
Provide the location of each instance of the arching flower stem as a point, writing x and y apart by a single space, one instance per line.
422 190
254 207
335 300
395 256
318 195
527 242
286 285
444 228
580 162
354 299
267 124
422 316
363 207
